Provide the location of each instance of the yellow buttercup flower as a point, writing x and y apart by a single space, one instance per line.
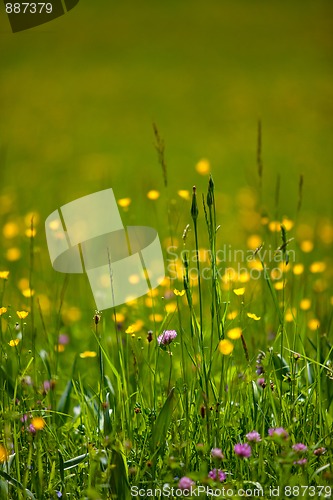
3 310
22 314
305 304
232 314
13 254
313 324
88 354
184 193
124 202
234 333
203 167
3 454
4 275
239 291
14 342
179 293
306 246
253 316
298 269
153 194
226 347
38 423
317 267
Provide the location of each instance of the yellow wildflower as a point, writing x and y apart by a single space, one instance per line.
305 304
313 324
226 347
22 314
184 193
3 454
317 267
239 291
179 293
88 354
306 246
253 316
203 167
14 342
3 310
298 269
153 194
234 333
4 275
38 423
124 202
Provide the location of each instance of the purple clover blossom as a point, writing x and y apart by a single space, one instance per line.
300 447
301 461
243 450
167 337
31 429
278 432
185 483
261 382
253 436
217 453
63 339
217 474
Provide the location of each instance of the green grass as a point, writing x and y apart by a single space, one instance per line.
78 99
128 413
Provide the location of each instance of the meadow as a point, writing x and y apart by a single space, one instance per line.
218 383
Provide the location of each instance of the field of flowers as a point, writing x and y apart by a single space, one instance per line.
217 384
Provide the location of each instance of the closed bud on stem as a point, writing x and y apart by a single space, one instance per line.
194 207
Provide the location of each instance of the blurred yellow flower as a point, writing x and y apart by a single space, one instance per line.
149 302
22 314
274 226
255 264
59 348
229 275
317 267
234 333
244 277
290 315
184 193
4 275
156 317
14 342
30 233
10 230
13 254
34 216
306 246
124 202
3 310
38 423
288 224
239 291
120 318
305 304
298 269
71 314
88 354
130 329
170 307
313 324
226 347
180 293
28 293
232 315
253 316
203 167
253 241
279 285
4 455
153 194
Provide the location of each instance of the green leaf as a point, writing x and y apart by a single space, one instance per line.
73 462
18 485
162 423
64 403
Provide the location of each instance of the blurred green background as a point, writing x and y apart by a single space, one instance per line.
79 95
